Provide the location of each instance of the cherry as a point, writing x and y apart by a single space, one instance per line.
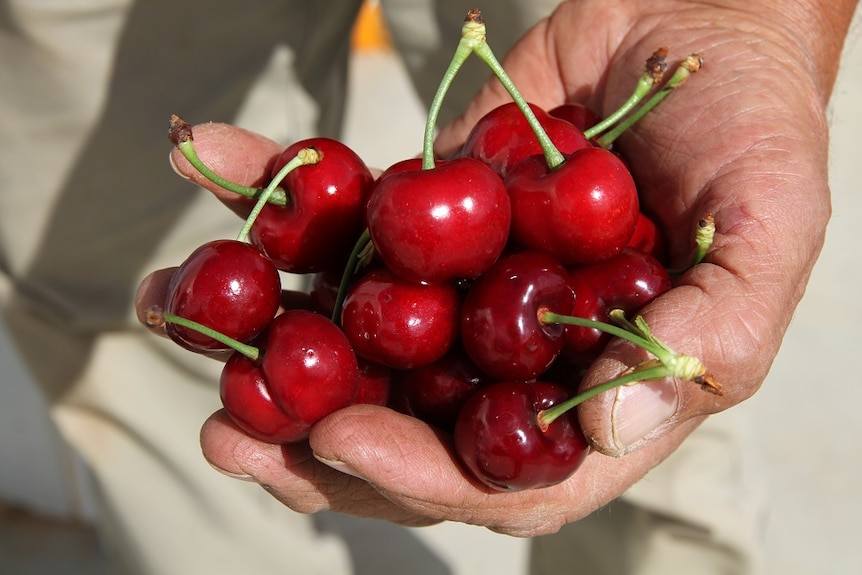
375 382
440 224
435 393
324 213
309 366
400 324
499 326
649 238
579 115
499 439
626 282
226 285
584 210
502 137
246 398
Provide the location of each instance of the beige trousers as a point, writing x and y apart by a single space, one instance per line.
88 205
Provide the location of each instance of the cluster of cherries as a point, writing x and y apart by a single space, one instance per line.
469 292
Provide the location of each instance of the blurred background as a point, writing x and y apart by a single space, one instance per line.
802 425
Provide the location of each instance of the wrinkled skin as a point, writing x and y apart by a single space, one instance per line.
745 139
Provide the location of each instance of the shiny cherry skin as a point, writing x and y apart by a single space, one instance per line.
628 281
375 383
435 393
400 324
579 115
440 224
325 212
310 367
502 137
247 400
649 238
583 211
226 285
499 439
499 326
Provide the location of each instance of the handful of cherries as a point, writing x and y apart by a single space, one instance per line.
470 292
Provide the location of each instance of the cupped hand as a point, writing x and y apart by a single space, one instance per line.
744 140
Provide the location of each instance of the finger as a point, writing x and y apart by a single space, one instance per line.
237 155
414 467
293 476
151 295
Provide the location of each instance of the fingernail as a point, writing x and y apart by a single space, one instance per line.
641 409
339 466
240 476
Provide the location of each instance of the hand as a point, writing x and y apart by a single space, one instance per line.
745 140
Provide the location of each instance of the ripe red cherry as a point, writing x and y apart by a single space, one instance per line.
226 285
576 114
440 224
246 398
583 211
309 366
435 393
400 324
502 137
325 211
375 382
649 238
499 326
628 281
499 439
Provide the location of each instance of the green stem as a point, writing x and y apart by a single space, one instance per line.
547 416
703 238
688 67
181 135
654 70
553 157
356 255
305 157
249 351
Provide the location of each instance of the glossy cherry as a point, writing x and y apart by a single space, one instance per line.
400 324
435 393
375 383
499 439
649 238
247 400
226 285
440 224
628 281
499 327
502 137
324 214
579 115
309 366
583 211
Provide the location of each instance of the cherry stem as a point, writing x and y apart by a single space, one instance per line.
703 238
180 134
667 363
553 157
357 256
649 373
654 70
251 352
304 157
688 67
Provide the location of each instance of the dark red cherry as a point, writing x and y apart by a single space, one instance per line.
325 211
246 398
226 285
499 439
440 224
400 324
499 326
628 281
502 137
309 366
576 114
583 211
